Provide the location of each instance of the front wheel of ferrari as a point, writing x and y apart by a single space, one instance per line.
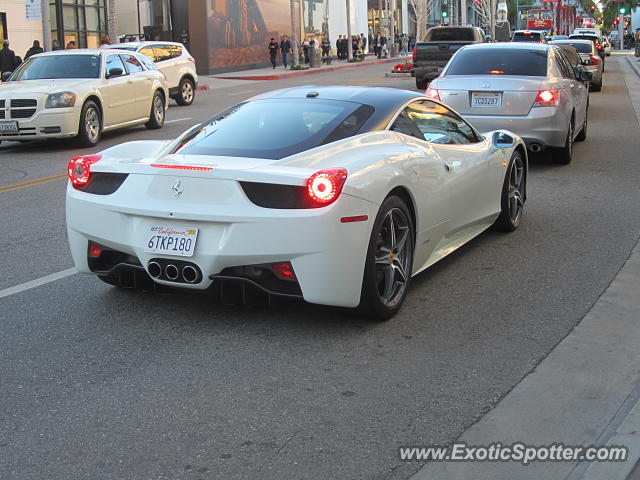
387 271
512 198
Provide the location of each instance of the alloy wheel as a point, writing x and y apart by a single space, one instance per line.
187 92
516 183
158 109
92 124
393 257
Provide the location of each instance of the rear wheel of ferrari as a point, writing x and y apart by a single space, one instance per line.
563 154
156 117
512 198
387 271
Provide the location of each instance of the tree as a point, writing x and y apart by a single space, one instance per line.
349 43
422 10
483 12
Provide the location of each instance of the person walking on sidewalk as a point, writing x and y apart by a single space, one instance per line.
363 43
379 42
326 46
273 51
34 50
285 48
8 59
306 46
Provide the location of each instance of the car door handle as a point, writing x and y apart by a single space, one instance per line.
451 166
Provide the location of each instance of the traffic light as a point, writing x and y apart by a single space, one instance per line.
445 14
593 8
623 10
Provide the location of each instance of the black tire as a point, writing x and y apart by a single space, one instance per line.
422 84
396 268
90 127
596 87
157 114
582 136
186 92
513 195
563 154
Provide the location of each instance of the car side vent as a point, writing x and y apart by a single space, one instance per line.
270 195
103 183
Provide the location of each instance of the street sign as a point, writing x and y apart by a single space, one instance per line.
33 10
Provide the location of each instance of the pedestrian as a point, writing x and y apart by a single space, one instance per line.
404 44
71 45
8 59
306 46
343 47
378 44
326 45
105 40
273 51
339 47
55 45
285 48
363 43
34 50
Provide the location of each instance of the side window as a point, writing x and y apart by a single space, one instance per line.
133 64
162 53
147 62
176 51
114 62
565 66
148 52
440 125
404 124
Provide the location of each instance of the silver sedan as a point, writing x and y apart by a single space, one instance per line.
530 89
591 60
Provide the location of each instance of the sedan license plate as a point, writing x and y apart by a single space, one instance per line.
486 99
9 127
179 241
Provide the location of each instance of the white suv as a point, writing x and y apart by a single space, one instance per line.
174 61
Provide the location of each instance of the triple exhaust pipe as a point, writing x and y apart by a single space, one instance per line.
181 272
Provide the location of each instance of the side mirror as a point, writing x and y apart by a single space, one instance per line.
502 139
6 76
115 72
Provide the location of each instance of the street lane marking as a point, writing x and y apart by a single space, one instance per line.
32 182
37 282
177 120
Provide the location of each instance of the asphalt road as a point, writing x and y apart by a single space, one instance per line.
100 383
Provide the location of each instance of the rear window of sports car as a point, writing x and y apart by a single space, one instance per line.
499 61
278 128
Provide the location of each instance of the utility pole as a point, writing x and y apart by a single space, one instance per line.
294 33
46 25
393 23
493 20
463 12
349 43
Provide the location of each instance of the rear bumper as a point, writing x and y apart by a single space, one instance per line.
327 256
545 126
47 123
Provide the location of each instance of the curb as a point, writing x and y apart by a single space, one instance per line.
635 65
305 72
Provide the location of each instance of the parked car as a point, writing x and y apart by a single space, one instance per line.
438 46
528 36
369 187
531 89
591 61
597 41
81 93
175 62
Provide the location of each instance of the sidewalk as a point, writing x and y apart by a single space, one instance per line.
585 392
279 72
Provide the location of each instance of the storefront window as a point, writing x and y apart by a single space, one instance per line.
83 21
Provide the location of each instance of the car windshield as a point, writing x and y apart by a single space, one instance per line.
527 37
499 61
58 66
277 128
593 38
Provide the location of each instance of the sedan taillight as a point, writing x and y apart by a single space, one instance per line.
594 60
547 98
433 93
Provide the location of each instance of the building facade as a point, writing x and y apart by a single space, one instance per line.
80 21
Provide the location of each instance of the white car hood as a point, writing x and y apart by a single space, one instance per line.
42 86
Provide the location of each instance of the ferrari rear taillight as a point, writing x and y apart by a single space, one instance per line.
324 187
432 93
547 98
284 271
79 169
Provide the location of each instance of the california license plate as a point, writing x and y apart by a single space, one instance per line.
486 99
179 241
9 127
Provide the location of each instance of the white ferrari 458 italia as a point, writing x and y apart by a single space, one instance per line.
336 195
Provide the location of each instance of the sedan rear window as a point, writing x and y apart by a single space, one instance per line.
580 47
450 35
277 128
532 37
499 61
